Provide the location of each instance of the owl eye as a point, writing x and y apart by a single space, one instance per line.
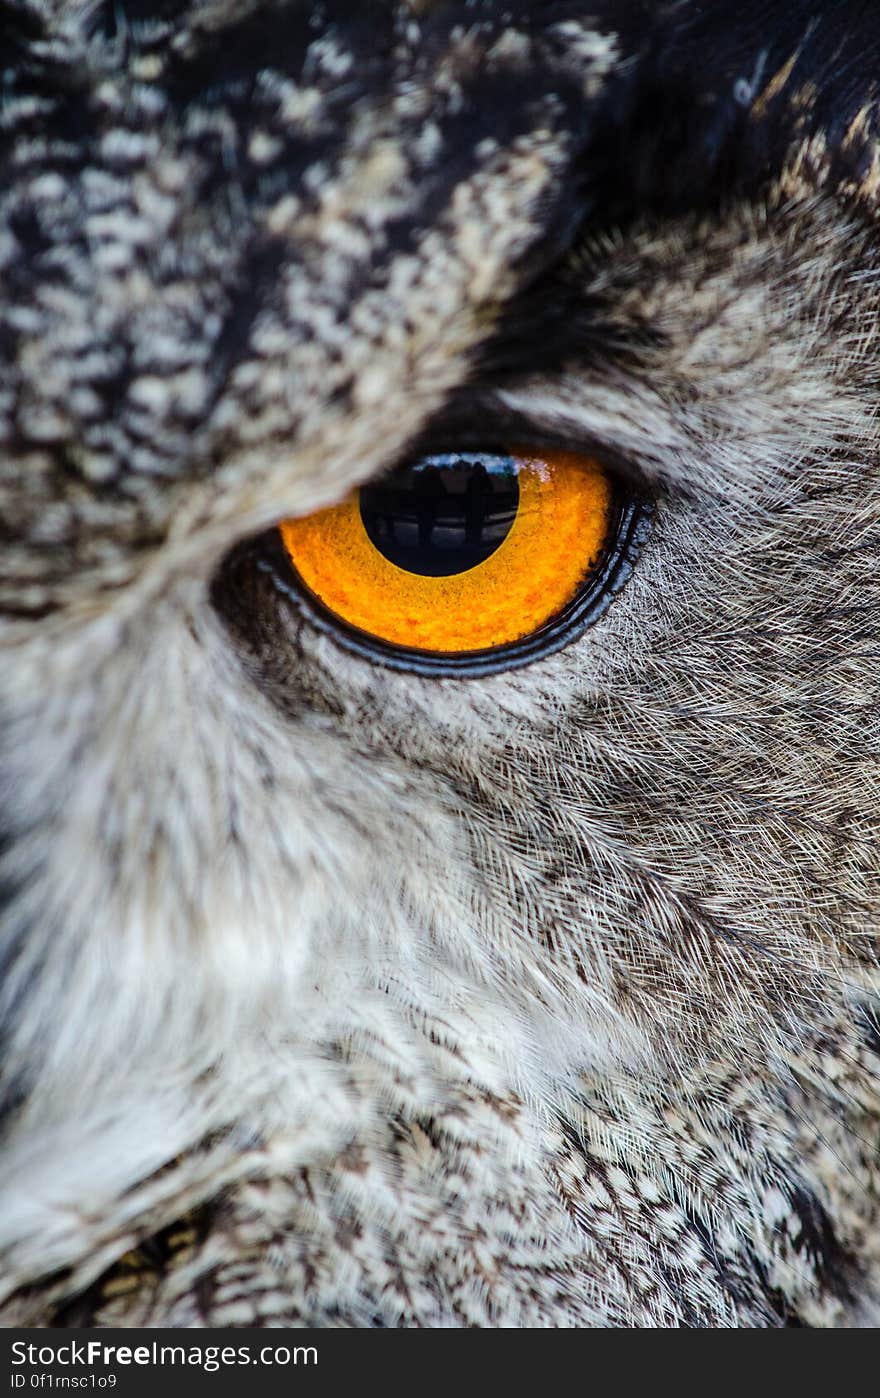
463 560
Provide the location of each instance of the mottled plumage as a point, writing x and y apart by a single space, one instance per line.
336 995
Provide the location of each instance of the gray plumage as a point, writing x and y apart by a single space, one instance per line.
340 996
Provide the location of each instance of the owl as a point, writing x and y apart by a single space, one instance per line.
439 725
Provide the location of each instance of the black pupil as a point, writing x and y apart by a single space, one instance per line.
443 515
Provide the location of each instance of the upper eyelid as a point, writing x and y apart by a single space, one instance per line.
487 425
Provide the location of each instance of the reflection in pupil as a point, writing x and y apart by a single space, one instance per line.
445 514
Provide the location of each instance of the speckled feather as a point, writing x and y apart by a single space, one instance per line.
339 996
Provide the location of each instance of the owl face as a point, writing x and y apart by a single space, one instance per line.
530 913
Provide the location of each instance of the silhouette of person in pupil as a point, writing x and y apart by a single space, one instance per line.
478 493
430 491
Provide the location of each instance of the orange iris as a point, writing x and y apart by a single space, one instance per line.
554 521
